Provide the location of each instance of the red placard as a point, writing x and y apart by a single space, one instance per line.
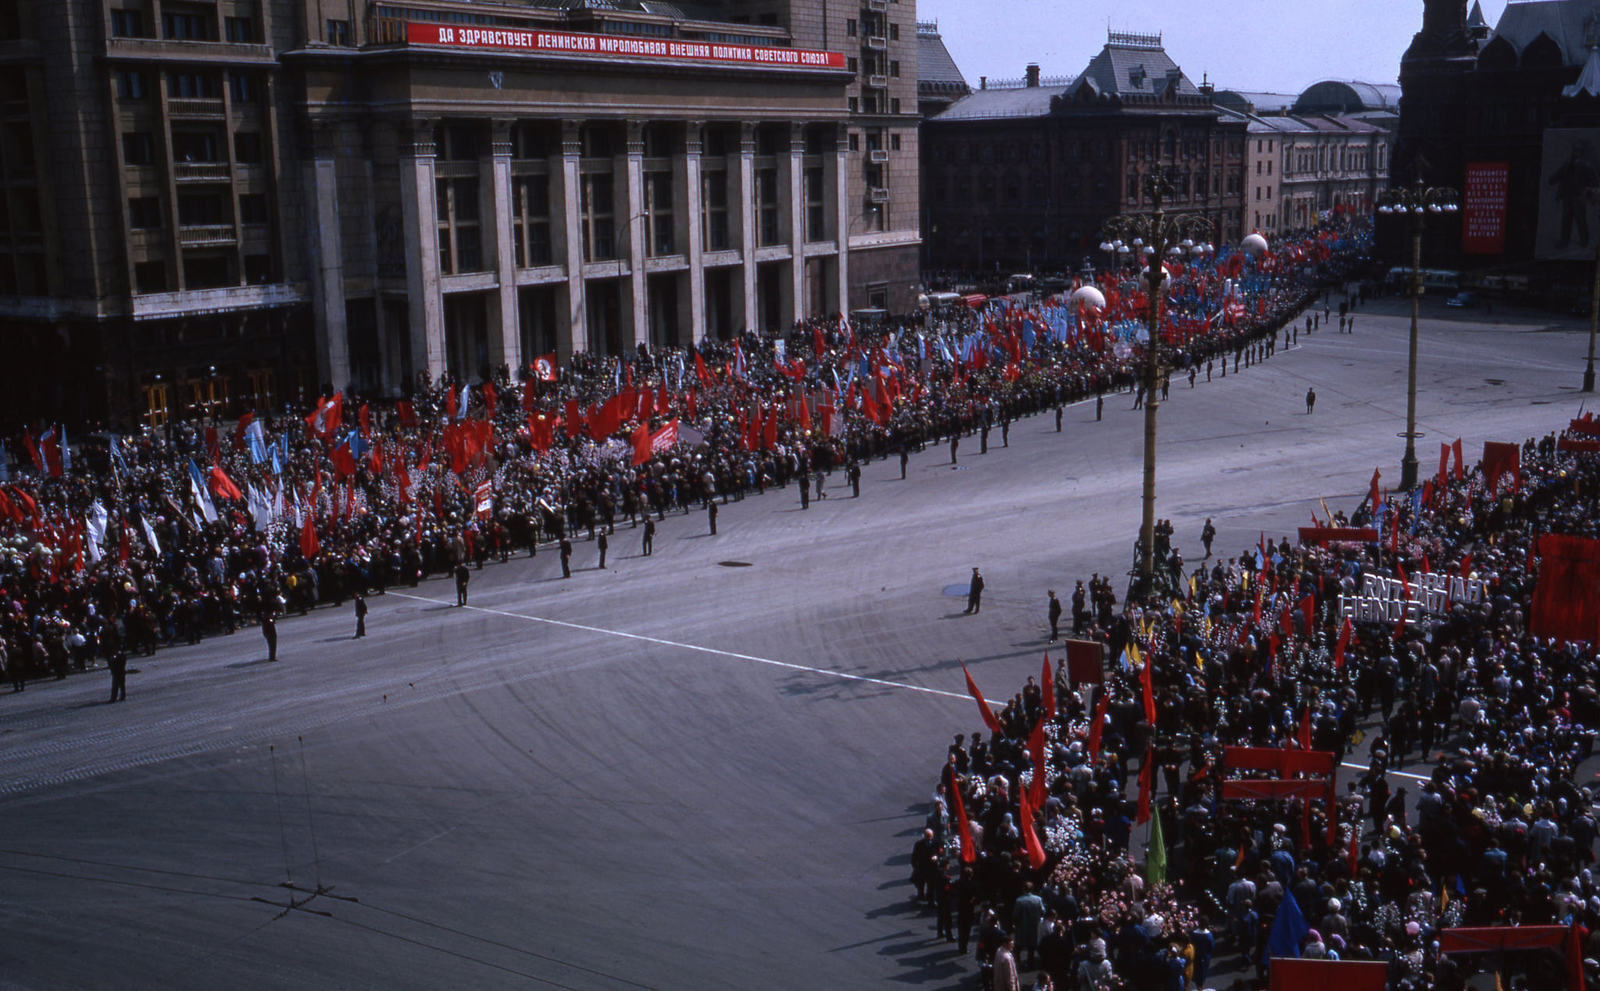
1086 662
1328 975
605 46
1483 215
1325 535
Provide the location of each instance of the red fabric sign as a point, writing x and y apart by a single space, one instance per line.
1501 459
620 46
1482 938
1085 662
1324 535
1328 975
1566 603
1278 759
1483 215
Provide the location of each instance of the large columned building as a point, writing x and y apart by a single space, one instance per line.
237 203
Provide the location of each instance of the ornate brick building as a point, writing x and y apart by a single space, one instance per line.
1024 176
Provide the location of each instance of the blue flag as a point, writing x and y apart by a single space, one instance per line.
1288 930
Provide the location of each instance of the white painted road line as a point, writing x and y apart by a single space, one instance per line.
822 672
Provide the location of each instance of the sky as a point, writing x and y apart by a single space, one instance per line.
1276 46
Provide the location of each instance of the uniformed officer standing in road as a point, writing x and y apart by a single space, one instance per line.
1055 616
462 577
566 558
649 536
975 593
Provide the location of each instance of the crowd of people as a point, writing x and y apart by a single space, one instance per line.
1465 723
168 535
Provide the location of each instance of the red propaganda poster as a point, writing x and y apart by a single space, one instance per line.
1483 215
603 46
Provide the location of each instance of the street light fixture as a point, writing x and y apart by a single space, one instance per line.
1415 203
1181 232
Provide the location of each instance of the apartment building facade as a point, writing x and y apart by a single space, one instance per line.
244 202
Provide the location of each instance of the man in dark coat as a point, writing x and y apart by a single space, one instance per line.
361 616
1055 616
566 558
462 577
975 593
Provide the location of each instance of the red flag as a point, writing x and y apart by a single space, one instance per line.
700 371
344 463
545 368
407 413
1146 785
1466 566
1353 855
969 849
1345 630
1460 469
641 444
1375 497
1444 463
1286 622
1149 692
1097 724
1030 838
1305 733
1047 689
527 395
1036 749
364 421
1255 617
308 536
222 485
1308 609
818 343
32 449
212 450
489 400
989 718
450 403
1574 948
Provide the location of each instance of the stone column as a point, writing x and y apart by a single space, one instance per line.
507 350
691 228
570 200
333 347
747 222
841 206
792 177
633 215
418 194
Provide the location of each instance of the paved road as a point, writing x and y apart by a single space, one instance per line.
675 773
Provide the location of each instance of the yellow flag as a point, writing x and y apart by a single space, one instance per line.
1133 655
1326 514
1192 591
1198 663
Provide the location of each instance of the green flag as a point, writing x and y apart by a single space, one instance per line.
1155 853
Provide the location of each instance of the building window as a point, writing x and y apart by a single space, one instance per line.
132 85
530 220
597 213
241 87
853 65
894 32
767 226
144 213
239 30
247 147
894 105
138 148
460 243
816 212
127 24
894 142
894 68
191 85
157 395
855 105
850 28
339 33
194 146
182 24
202 210
715 206
252 208
257 270
658 213
855 141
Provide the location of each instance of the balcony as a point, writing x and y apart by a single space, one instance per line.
877 195
201 172
875 43
878 156
194 107
878 82
206 235
882 5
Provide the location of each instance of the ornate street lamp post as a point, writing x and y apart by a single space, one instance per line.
1152 238
1415 203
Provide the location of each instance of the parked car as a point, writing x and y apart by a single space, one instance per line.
1462 300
